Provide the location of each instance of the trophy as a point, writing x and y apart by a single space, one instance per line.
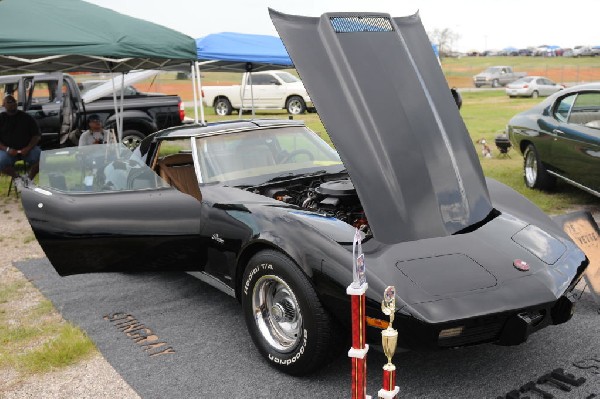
389 340
357 292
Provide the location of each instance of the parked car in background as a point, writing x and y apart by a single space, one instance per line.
525 52
583 51
532 86
497 76
263 90
567 52
60 108
560 138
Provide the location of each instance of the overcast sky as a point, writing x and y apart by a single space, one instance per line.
481 24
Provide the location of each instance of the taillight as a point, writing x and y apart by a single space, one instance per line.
202 93
181 111
525 86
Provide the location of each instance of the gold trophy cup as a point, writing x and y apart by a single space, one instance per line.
389 336
389 341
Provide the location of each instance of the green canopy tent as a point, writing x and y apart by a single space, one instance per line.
73 35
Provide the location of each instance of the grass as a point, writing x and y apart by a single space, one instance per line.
486 114
35 339
459 71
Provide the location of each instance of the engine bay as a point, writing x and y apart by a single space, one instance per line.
334 198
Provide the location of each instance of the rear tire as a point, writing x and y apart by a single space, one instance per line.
132 139
535 94
534 172
295 105
284 316
495 83
222 106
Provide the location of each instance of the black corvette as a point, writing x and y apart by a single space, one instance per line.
266 211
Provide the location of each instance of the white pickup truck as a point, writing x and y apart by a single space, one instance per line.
269 90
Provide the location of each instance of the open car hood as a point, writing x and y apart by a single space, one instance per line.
386 105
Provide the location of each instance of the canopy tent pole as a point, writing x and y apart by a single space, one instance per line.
195 91
116 107
251 92
120 116
243 93
199 82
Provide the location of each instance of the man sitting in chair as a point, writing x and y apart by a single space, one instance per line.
19 136
95 134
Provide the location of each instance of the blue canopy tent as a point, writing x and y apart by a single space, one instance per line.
241 52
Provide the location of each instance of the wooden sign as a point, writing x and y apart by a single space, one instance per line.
583 230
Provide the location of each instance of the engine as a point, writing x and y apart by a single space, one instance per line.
335 198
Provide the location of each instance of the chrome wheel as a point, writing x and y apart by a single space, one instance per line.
223 107
295 105
131 141
277 313
531 169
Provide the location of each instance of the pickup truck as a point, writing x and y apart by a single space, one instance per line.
56 103
269 90
497 76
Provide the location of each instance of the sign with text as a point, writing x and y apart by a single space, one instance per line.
583 230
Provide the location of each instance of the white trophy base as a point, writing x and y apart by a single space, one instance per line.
383 394
358 353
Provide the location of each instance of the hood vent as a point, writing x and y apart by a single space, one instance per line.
361 24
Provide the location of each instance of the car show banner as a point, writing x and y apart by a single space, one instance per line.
583 230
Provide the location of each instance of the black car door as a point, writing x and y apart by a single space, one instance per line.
96 210
44 103
576 151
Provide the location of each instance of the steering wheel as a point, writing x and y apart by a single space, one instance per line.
290 155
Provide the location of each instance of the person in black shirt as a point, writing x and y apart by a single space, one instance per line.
19 136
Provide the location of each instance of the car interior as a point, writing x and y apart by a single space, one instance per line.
178 171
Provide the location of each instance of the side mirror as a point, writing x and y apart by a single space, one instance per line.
275 82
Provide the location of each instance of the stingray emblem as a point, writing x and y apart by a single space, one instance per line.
521 265
218 239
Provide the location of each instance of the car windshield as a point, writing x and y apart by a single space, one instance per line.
96 168
255 157
287 77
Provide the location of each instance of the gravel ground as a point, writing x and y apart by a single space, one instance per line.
93 377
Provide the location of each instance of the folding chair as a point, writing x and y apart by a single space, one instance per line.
21 168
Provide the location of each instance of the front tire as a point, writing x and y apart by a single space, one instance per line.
495 83
295 105
534 172
284 316
223 106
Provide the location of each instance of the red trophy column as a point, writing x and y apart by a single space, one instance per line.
357 291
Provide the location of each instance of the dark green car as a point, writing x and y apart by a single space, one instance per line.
560 138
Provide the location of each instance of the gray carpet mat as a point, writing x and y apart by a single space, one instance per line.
194 344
